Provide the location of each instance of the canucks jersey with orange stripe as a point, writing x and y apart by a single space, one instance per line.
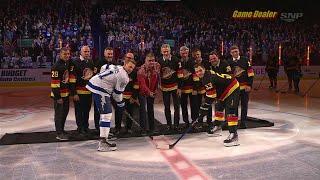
243 71
60 79
80 73
168 73
132 88
186 75
219 86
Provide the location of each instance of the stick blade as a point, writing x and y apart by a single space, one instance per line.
163 146
171 146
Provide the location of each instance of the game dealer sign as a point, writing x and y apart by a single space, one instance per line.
254 14
284 16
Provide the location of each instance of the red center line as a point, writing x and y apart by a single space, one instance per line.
180 165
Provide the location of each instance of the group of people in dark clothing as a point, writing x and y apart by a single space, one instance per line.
191 82
292 68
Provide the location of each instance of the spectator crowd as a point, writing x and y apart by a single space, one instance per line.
141 28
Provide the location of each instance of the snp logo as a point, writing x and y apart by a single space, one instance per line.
290 17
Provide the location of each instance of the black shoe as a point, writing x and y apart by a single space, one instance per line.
232 140
168 129
176 128
62 137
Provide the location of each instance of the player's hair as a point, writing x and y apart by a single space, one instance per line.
195 51
234 47
150 55
184 48
165 46
108 48
130 60
214 52
64 49
199 65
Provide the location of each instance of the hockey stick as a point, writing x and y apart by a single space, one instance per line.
170 146
125 112
150 136
257 88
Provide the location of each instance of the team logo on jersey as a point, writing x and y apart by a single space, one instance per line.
186 74
87 74
65 77
208 86
167 72
238 71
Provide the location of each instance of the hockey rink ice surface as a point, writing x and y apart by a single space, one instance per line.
289 150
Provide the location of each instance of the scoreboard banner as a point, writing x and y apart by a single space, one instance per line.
24 75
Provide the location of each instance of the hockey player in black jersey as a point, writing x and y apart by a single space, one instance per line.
60 92
82 69
225 90
243 72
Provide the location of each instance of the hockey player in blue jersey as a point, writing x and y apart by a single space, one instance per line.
111 81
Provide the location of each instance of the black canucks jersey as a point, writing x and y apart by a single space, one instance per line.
80 73
219 86
60 80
